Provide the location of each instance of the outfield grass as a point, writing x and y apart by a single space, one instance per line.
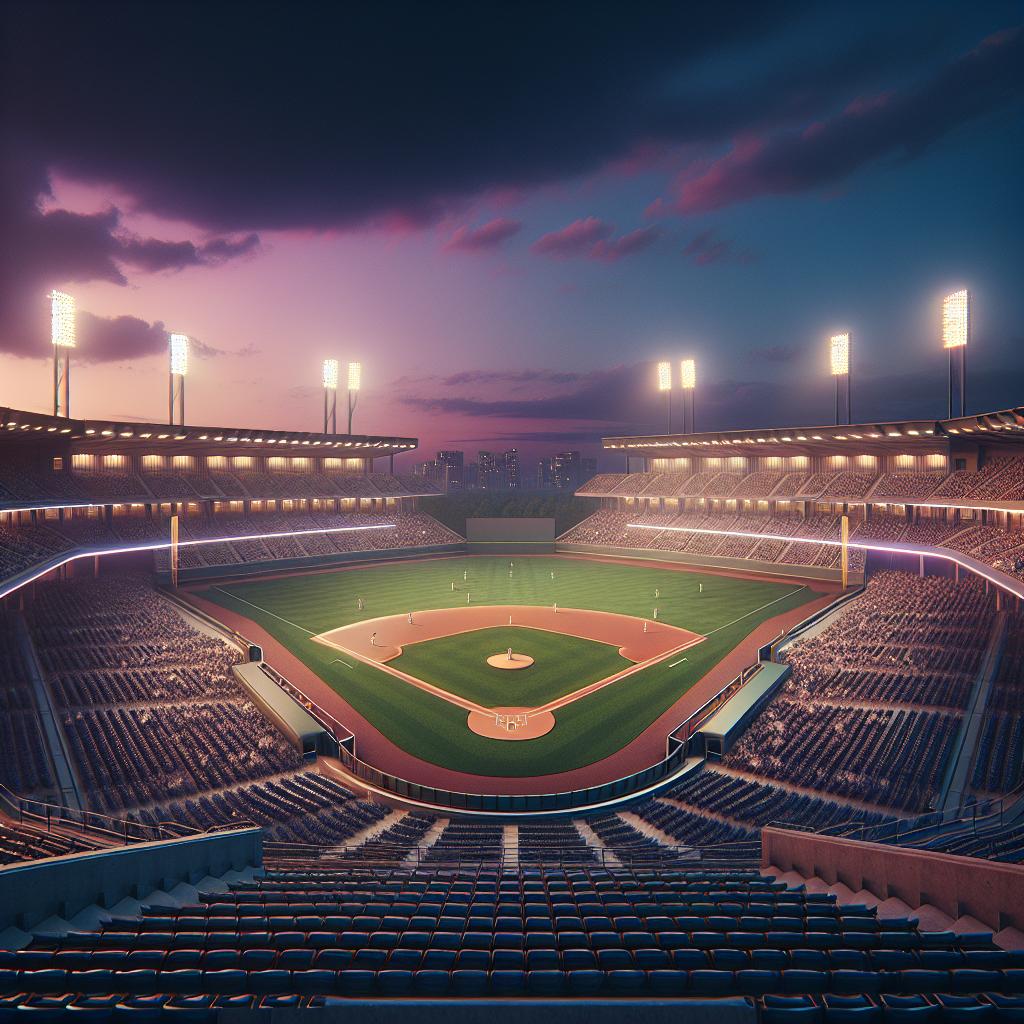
295 608
562 664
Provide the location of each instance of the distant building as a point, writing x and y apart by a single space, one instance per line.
545 474
450 470
471 476
488 476
566 471
513 481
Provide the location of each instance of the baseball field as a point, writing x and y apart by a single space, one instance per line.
406 644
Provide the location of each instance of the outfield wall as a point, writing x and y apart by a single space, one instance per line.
510 535
746 565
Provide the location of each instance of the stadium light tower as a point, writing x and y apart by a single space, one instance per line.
956 333
839 363
330 379
665 384
176 380
355 382
688 379
62 336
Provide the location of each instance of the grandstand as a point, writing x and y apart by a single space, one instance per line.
735 862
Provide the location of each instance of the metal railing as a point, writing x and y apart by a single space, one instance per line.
104 829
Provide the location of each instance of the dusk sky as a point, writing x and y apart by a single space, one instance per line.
509 212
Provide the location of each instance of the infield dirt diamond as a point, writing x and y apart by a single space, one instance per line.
380 641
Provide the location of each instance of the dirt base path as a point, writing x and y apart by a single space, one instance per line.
638 640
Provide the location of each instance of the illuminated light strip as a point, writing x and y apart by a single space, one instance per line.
1014 589
161 545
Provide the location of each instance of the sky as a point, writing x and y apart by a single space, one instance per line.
508 213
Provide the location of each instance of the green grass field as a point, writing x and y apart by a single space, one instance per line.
295 608
562 664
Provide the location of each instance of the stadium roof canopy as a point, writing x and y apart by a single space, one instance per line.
1005 427
33 428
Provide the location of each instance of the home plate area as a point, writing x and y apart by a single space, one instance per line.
381 640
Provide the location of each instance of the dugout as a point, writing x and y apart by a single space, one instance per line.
297 724
726 726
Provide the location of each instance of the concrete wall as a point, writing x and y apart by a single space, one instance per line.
958 886
63 886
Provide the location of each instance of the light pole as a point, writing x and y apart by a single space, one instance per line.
956 333
330 379
688 379
355 382
176 378
839 363
665 384
62 336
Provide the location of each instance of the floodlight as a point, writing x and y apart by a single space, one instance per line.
839 354
956 319
179 354
62 319
688 374
355 376
664 376
330 374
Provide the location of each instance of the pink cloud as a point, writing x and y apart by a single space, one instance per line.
591 238
487 236
576 239
613 249
704 249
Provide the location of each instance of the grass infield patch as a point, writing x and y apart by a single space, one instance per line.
561 664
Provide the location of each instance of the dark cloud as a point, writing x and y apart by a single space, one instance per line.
510 377
103 339
706 248
485 237
309 117
901 123
46 248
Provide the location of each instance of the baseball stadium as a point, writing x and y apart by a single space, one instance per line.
750 728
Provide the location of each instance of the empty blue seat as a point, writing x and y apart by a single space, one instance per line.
908 1009
850 1009
790 1010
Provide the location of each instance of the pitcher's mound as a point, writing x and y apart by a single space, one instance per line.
504 661
511 723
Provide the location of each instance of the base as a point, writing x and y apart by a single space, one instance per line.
504 661
511 723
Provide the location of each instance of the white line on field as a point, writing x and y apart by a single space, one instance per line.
754 610
338 661
679 662
267 611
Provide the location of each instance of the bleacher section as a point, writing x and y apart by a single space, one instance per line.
307 938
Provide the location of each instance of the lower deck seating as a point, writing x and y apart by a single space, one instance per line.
306 937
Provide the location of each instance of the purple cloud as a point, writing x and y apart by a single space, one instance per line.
591 238
575 239
613 249
704 249
484 238
867 130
